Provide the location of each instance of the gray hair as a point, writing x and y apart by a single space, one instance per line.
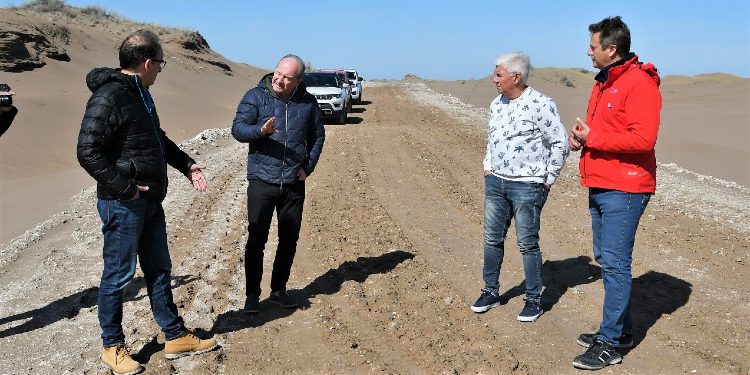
515 62
300 63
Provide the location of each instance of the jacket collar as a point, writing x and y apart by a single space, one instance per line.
615 69
98 77
266 82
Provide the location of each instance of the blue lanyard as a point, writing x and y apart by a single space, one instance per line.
148 101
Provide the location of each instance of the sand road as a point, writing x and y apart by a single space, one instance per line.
388 263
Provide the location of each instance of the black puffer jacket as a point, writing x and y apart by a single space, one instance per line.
120 144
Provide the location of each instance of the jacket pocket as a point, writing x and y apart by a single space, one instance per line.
127 167
632 170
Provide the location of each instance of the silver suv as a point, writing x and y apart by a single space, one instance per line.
356 84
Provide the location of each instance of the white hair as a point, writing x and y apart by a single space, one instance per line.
515 62
300 63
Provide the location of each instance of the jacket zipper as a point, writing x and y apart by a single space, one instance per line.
584 174
163 158
158 139
286 139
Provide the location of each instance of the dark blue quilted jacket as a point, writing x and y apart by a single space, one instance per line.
277 158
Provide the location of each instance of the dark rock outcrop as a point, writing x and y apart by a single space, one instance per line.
24 48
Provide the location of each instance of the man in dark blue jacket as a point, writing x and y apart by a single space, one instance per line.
122 146
283 127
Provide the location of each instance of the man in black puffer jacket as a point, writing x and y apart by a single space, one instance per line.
122 146
282 124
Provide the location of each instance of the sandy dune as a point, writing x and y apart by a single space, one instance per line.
39 166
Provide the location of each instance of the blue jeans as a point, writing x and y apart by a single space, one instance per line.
135 228
614 221
504 200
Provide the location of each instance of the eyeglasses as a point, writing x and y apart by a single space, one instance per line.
162 63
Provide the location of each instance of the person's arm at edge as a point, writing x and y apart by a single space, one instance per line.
6 119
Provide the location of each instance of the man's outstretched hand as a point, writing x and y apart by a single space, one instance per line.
197 178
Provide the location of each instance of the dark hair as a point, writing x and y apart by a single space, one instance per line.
139 47
613 32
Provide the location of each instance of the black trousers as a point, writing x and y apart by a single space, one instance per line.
262 199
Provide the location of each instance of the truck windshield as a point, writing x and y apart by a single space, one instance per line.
320 80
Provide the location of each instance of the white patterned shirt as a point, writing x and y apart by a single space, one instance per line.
526 139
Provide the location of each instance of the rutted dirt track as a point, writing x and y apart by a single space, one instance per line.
388 263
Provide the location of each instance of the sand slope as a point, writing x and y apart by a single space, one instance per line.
197 90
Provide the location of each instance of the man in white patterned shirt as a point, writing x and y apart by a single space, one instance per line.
526 149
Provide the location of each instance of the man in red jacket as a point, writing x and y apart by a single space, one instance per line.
618 165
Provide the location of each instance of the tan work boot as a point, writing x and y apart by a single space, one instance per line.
188 345
118 359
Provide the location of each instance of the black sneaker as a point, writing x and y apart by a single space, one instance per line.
280 297
485 302
597 356
586 339
252 304
531 311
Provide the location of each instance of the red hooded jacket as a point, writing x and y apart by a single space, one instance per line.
623 117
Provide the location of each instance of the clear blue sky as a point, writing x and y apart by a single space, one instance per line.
453 39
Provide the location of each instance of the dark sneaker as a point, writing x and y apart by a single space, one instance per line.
586 339
282 299
597 356
252 304
485 302
531 311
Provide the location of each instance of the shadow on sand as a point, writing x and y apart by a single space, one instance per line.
353 120
653 295
70 306
327 283
557 277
